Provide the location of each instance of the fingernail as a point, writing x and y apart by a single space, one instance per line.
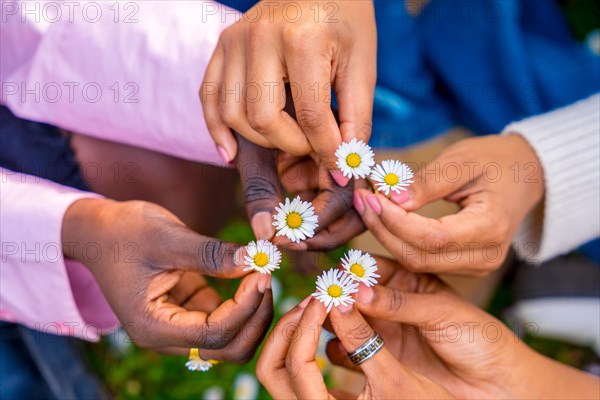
305 302
358 203
239 256
269 282
374 203
400 198
224 155
262 225
263 281
365 295
344 308
339 178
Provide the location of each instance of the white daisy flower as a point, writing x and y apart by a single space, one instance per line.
334 287
295 219
391 175
355 159
361 267
197 363
263 256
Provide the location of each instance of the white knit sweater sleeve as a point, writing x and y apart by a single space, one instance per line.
567 142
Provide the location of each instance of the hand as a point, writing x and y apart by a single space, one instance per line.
328 43
264 171
496 180
450 341
150 267
288 370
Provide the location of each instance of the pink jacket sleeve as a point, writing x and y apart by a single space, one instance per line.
39 288
128 72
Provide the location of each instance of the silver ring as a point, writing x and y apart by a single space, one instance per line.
367 350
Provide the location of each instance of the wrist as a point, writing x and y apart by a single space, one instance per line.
81 221
529 166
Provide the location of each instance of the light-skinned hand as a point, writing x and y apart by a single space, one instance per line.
496 181
288 369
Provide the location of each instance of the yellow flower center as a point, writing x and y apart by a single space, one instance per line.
391 179
294 220
353 160
261 259
357 270
334 291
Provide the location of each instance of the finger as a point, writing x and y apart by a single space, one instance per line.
353 331
457 243
337 233
192 292
235 91
266 113
467 226
300 362
430 184
332 201
270 368
297 174
208 256
262 191
338 355
173 325
210 97
309 69
421 309
244 345
355 89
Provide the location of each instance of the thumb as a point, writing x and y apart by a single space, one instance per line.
183 249
257 167
420 309
353 331
437 180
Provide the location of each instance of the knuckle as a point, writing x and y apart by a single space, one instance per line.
361 332
261 121
293 367
310 118
436 239
259 188
210 341
395 301
230 115
211 254
263 371
411 263
299 37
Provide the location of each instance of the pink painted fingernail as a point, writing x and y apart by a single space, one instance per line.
224 155
339 178
304 302
262 225
400 198
263 281
365 294
374 203
359 205
344 308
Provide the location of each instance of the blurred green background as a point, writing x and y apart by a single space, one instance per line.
134 373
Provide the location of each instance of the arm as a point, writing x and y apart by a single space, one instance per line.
34 269
130 77
567 143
